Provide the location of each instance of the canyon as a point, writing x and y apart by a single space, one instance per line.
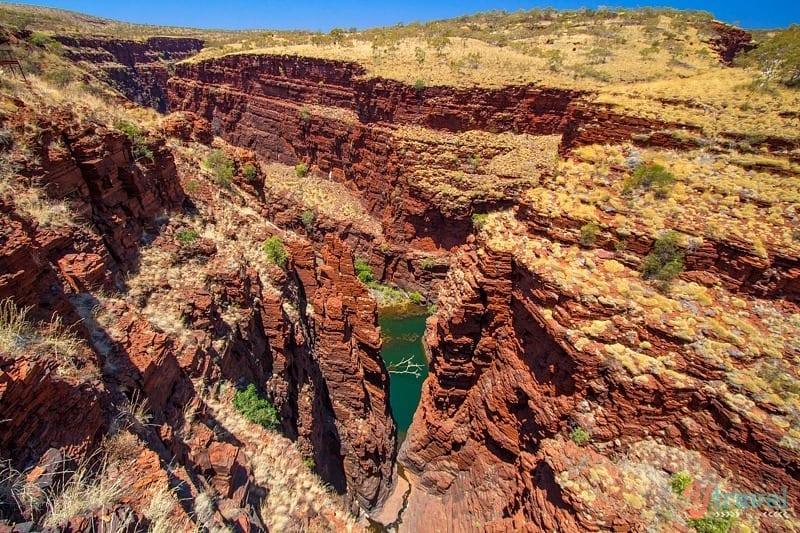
538 335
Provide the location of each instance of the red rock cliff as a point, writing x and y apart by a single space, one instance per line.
138 69
505 382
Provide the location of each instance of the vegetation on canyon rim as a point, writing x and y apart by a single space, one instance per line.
634 220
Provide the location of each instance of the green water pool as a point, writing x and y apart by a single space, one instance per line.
402 331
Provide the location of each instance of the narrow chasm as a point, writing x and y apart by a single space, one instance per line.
403 353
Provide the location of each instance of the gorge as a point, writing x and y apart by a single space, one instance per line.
563 389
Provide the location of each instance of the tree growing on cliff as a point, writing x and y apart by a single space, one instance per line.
221 168
250 172
419 55
255 408
665 261
139 145
778 57
276 251
589 233
363 271
308 217
579 436
653 177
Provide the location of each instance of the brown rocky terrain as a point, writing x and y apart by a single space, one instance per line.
142 292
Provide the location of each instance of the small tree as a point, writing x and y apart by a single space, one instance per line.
589 233
652 176
276 251
250 172
778 57
221 168
665 261
579 436
300 169
711 523
478 220
139 145
187 235
255 408
363 271
308 217
679 482
419 55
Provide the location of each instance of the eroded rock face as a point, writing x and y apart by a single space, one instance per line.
272 105
329 376
322 113
504 380
43 409
139 70
730 41
94 172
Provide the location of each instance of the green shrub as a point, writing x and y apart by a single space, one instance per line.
187 235
221 168
250 172
276 251
579 436
652 176
415 297
478 220
589 233
363 271
139 145
305 114
419 55
426 264
419 85
300 169
778 57
679 482
308 217
432 308
41 40
309 462
665 262
712 524
255 408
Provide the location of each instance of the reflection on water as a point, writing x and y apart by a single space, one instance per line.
404 357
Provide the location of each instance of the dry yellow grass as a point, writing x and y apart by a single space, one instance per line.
713 197
327 198
297 499
754 344
19 335
656 65
563 53
458 169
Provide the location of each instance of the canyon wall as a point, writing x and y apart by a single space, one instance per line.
489 437
322 113
137 69
310 340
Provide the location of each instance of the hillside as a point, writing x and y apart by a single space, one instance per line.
599 208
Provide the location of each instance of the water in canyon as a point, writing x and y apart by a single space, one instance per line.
401 330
